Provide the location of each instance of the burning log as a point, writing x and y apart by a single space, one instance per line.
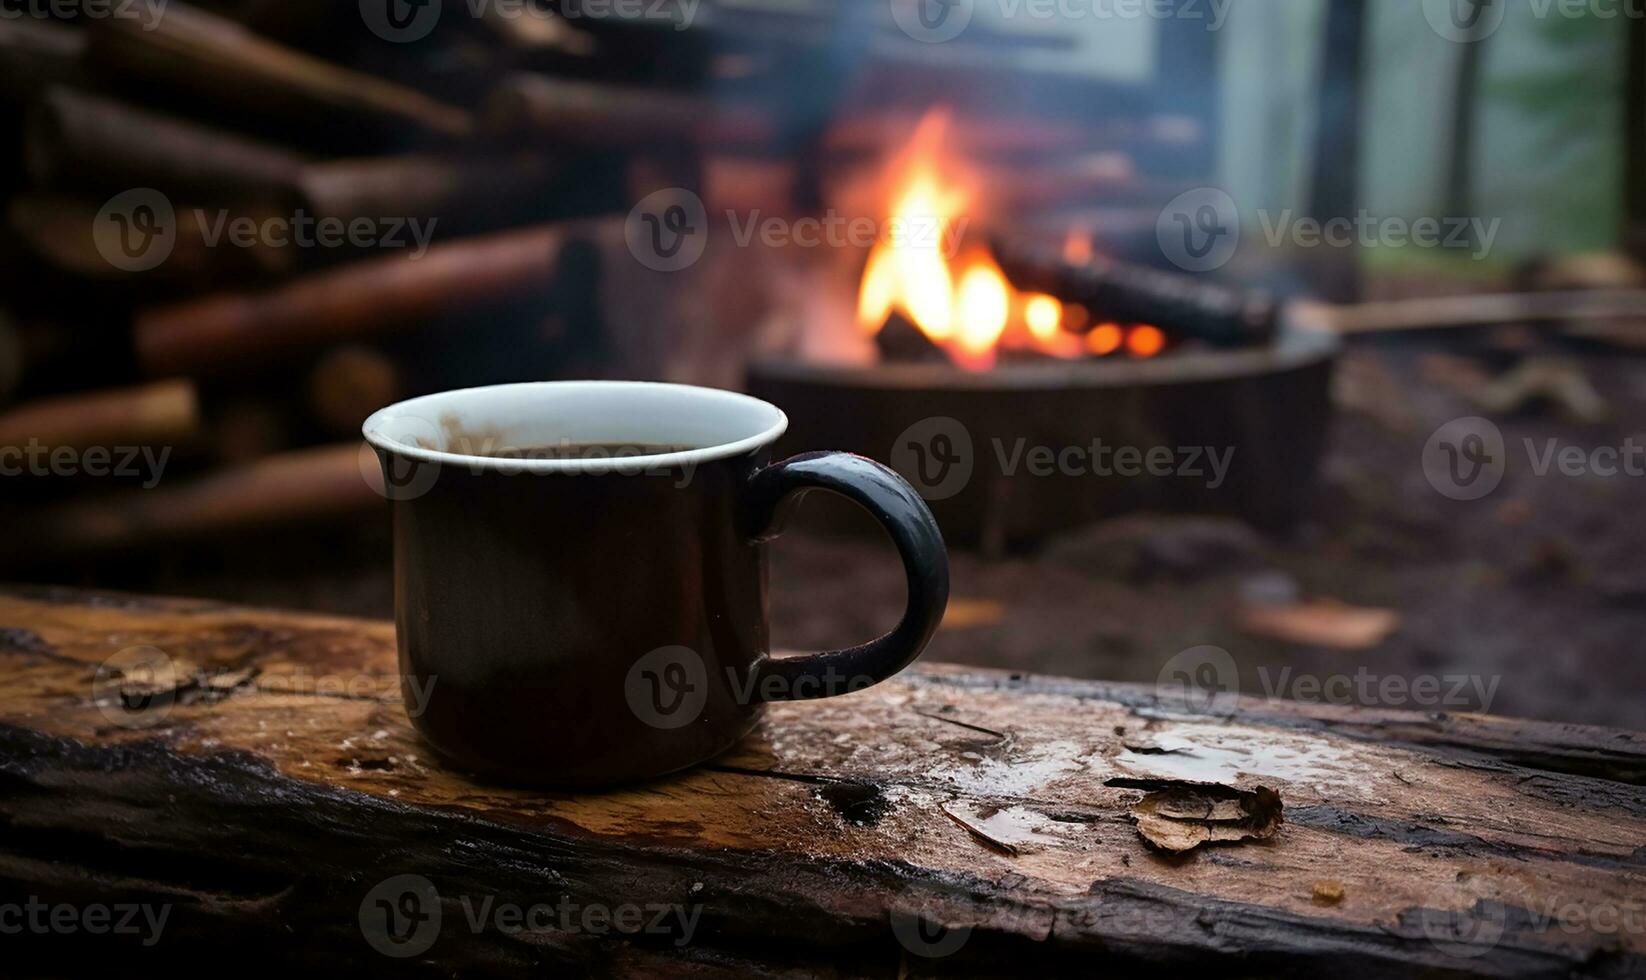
1182 306
900 341
163 413
225 332
207 57
606 115
74 140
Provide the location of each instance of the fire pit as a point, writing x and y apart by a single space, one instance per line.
1025 387
1009 455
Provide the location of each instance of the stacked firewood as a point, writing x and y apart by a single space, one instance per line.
234 230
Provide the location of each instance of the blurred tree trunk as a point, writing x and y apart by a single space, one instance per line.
1336 190
1634 133
1459 199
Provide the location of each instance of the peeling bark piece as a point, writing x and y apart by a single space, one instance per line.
1013 829
1181 818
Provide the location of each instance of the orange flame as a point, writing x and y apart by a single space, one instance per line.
965 306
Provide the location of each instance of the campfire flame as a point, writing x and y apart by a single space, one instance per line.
951 288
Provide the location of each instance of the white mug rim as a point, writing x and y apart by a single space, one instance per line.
428 407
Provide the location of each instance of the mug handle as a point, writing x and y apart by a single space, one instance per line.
908 521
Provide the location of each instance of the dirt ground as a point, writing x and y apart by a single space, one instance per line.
1530 601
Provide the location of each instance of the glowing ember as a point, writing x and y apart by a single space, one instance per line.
1044 316
1146 341
1105 339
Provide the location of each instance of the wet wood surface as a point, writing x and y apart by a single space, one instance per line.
948 822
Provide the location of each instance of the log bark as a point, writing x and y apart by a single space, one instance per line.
214 60
579 113
259 779
165 412
229 331
283 490
74 140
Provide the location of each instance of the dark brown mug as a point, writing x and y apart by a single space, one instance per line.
568 620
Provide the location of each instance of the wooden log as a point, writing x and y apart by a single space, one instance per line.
254 774
462 194
1436 313
229 331
35 54
163 413
589 113
78 141
287 489
64 232
350 383
1181 305
218 61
